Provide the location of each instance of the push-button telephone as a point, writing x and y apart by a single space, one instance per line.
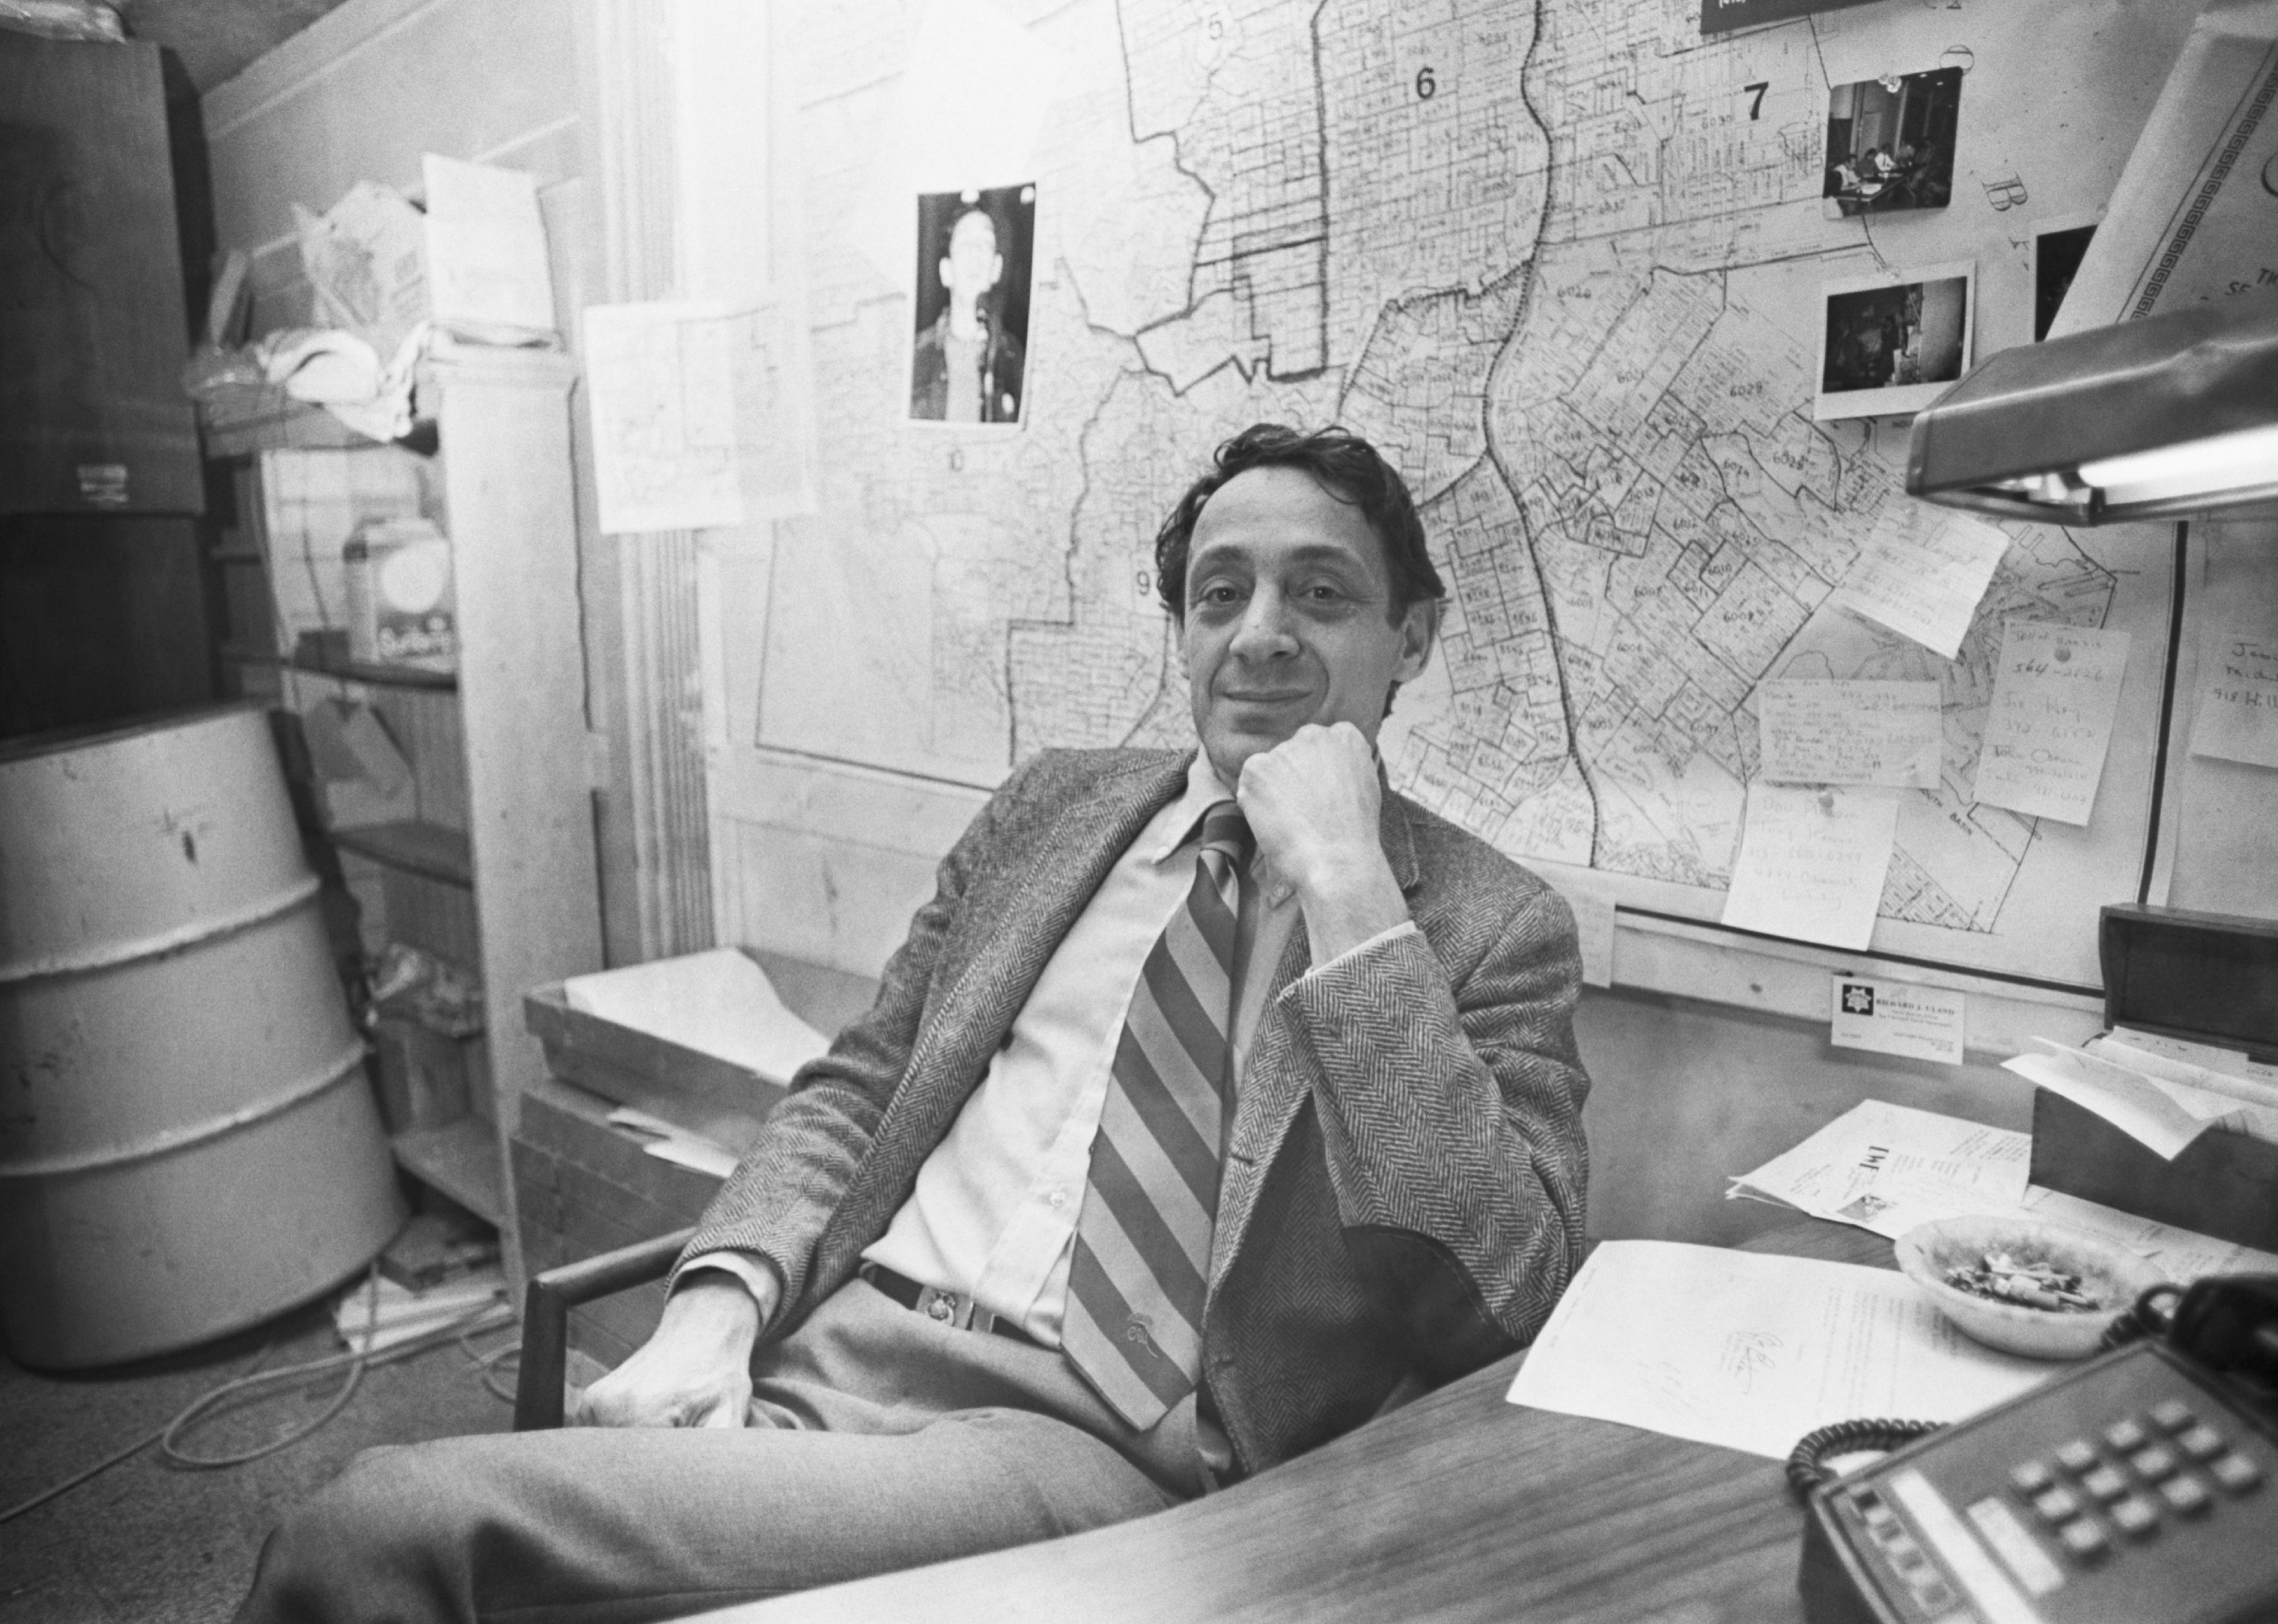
2135 1489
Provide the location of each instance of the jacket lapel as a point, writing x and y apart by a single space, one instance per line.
1275 1083
1014 934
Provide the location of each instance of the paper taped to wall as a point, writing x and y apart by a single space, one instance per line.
2056 690
1850 733
1811 863
2238 699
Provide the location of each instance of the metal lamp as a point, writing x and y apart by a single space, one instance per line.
2150 419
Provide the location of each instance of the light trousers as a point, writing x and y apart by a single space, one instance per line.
879 1440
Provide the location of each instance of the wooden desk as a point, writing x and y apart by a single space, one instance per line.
1460 1506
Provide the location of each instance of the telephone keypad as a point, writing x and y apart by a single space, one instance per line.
2236 1473
2152 1464
2057 1504
2202 1443
2084 1539
2077 1456
2172 1415
2188 1495
2135 1517
2105 1482
2125 1435
2030 1478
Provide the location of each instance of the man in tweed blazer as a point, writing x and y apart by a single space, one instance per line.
1402 1173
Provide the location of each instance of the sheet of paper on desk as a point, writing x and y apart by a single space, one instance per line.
2238 699
1753 1352
1812 732
719 1002
2056 690
2182 1254
1812 862
1875 1160
1886 1168
1923 576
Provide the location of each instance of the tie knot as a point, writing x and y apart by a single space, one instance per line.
1225 830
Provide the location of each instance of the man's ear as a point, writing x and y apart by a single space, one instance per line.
945 282
1420 629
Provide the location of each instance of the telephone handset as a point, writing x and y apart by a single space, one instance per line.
2139 1488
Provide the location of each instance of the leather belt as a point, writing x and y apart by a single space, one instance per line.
950 1309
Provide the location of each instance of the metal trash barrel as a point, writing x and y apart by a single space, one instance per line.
187 1141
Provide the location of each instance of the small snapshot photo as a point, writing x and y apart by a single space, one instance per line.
2059 246
1892 345
1889 143
969 343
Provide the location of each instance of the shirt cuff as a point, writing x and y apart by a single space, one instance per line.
757 1275
1392 934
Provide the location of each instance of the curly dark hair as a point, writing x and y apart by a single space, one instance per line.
1342 464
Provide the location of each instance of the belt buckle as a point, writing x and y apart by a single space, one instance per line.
944 1307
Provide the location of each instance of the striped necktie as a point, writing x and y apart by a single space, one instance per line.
1134 1324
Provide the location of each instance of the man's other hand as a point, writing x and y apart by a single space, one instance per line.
694 1371
1313 801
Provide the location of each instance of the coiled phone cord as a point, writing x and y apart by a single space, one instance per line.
2149 1315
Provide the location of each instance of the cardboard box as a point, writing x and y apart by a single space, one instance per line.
401 610
2206 977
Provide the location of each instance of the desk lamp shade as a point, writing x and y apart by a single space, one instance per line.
2170 416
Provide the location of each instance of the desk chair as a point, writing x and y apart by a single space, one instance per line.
546 1309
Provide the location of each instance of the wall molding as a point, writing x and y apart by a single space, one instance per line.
662 750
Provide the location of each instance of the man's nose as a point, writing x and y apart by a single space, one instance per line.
1265 632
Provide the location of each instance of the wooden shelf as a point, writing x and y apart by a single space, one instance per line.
424 848
462 1160
348 670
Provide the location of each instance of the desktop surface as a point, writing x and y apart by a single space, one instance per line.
1459 1506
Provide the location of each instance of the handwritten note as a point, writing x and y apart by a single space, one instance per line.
2056 690
2238 699
1770 1348
1850 733
1923 573
1811 863
661 391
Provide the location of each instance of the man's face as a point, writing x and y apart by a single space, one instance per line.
1287 621
972 264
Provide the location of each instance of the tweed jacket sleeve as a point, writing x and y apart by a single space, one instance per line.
788 1184
1448 1090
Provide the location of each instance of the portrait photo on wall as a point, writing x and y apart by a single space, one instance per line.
1889 143
969 339
1894 344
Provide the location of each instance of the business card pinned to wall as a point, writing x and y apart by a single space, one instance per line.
1896 1018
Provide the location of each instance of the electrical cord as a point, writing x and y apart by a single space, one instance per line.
490 1316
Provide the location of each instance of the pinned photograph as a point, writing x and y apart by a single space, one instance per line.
1892 345
1889 143
969 340
2059 246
